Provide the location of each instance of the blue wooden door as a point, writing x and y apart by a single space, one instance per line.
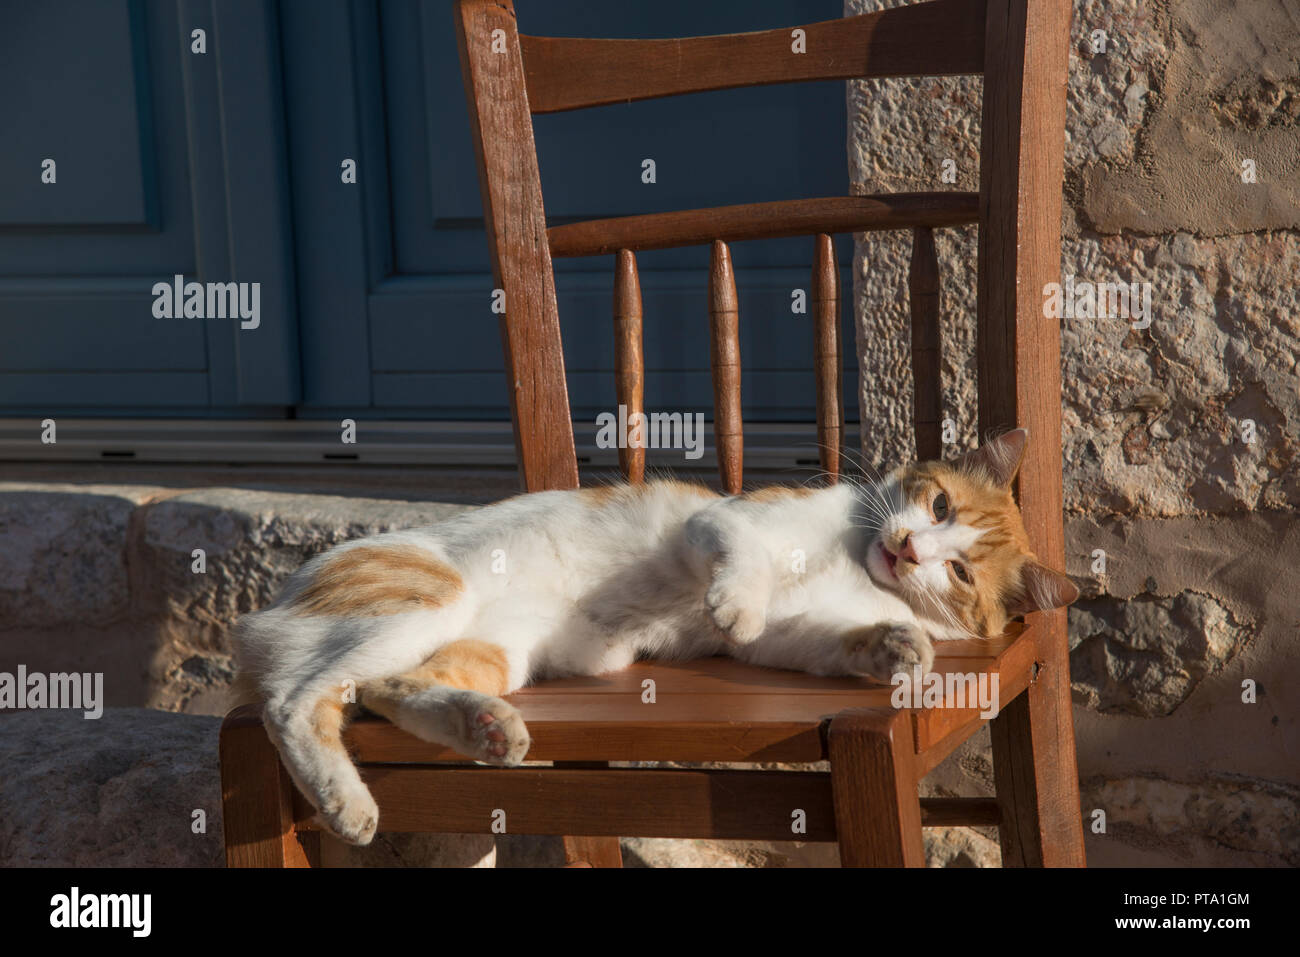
394 279
129 158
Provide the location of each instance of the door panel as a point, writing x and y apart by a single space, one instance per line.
167 163
100 175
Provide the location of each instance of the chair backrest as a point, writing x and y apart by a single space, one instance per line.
1020 47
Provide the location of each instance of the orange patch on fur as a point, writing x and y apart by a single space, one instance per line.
689 488
468 664
623 492
377 580
600 494
327 722
778 493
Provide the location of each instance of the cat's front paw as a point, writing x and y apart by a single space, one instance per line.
738 616
882 651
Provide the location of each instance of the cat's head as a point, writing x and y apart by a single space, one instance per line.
951 542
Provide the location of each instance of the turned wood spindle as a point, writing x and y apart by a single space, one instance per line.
724 359
826 354
923 289
629 363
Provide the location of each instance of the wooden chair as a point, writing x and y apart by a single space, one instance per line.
719 710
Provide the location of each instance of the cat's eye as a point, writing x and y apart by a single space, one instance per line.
960 571
940 507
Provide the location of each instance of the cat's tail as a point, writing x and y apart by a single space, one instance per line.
305 703
309 738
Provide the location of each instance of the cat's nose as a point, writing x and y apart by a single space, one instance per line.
905 551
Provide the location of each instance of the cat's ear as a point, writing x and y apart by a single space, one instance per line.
1043 588
1000 457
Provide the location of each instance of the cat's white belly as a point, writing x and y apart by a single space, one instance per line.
560 634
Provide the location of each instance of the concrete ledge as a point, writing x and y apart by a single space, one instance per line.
106 578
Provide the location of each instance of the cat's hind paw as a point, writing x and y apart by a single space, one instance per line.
495 731
354 821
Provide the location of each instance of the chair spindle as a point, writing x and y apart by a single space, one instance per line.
724 357
923 290
629 361
826 353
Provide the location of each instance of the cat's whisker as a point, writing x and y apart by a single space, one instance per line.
873 488
948 612
937 601
876 510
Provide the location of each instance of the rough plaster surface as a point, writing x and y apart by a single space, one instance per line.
1221 85
56 538
1180 439
1215 821
1146 656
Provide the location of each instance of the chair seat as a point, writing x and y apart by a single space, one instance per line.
715 709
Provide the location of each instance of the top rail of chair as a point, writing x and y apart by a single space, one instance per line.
936 38
789 217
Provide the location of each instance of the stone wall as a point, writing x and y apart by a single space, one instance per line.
1180 438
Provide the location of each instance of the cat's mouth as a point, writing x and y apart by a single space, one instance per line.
885 564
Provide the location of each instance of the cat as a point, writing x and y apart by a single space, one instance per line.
432 626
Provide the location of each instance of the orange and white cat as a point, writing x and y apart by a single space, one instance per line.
432 626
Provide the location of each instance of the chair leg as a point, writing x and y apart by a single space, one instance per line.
257 800
592 852
873 784
1034 764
